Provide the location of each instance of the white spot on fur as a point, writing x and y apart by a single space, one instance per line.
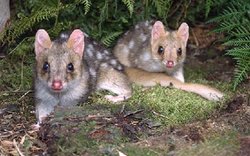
64 36
91 47
136 61
104 65
92 71
106 52
113 62
131 44
99 55
145 56
179 75
119 67
125 51
126 33
143 37
89 52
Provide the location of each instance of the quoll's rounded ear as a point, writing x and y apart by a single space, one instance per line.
183 32
157 30
42 41
76 41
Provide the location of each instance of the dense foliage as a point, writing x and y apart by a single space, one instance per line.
234 21
103 20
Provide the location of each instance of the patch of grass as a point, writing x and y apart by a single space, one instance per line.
135 150
173 106
222 145
16 74
167 105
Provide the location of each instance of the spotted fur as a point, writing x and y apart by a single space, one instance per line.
148 51
70 68
139 48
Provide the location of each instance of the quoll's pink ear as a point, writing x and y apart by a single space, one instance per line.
157 30
42 41
183 32
76 41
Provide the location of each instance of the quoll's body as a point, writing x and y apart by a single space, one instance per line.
70 68
153 56
149 47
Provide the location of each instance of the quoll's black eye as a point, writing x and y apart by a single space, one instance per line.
160 50
179 52
46 66
70 67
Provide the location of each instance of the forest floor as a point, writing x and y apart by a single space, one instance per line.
155 121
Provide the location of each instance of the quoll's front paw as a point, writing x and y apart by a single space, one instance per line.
118 98
217 96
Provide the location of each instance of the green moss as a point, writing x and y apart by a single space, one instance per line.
166 105
139 151
221 145
172 106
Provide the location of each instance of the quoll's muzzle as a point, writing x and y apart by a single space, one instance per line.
57 85
170 64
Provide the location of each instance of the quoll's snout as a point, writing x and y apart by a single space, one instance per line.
57 85
170 64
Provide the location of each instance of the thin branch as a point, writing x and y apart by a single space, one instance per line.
17 148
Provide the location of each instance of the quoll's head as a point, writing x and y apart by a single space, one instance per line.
169 47
58 63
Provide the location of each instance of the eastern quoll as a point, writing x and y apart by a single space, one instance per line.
148 50
70 68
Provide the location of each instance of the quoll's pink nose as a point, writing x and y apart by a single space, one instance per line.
170 64
57 85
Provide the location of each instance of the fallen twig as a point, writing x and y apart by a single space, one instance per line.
24 94
133 113
160 115
17 148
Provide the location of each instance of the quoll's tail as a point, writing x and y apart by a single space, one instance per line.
148 79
